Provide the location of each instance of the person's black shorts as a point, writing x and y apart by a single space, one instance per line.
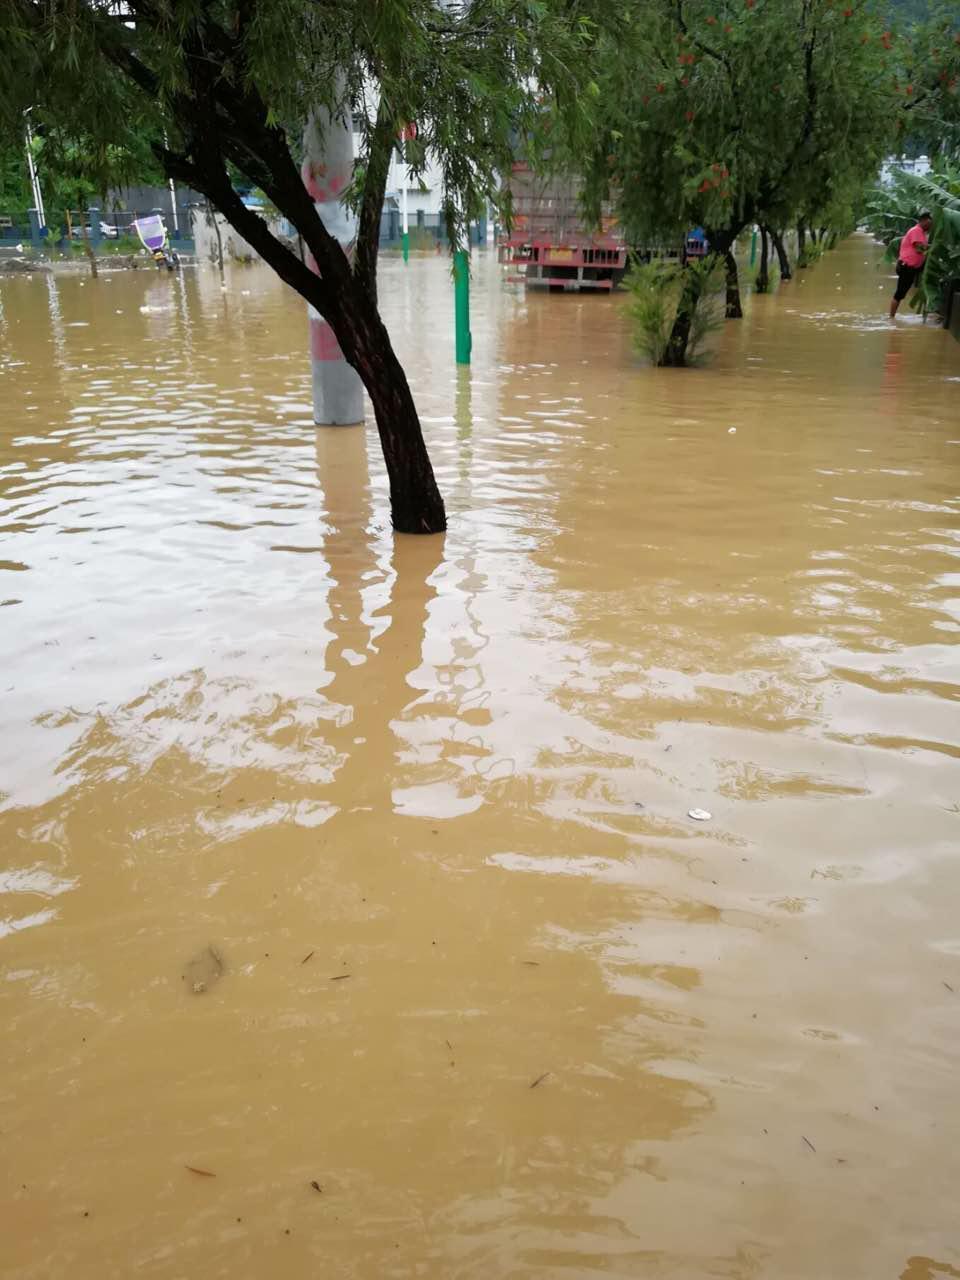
906 279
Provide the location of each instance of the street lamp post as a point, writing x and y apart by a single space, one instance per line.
34 180
173 196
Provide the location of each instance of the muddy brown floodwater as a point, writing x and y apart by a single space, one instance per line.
320 849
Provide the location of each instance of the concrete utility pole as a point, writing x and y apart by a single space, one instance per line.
327 171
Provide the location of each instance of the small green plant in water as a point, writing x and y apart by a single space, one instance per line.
811 252
674 308
767 283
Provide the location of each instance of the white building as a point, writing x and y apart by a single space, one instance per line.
920 166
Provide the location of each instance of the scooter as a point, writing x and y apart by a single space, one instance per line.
153 237
166 257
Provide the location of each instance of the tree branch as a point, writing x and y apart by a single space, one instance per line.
374 193
213 180
706 49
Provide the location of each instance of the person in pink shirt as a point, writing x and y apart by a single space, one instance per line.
913 249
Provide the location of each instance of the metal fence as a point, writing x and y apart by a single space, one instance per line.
427 230
14 227
66 227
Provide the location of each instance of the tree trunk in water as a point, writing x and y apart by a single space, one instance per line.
415 502
763 275
374 196
675 354
232 124
734 307
346 304
87 246
801 244
782 259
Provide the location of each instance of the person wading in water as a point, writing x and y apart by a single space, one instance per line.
913 248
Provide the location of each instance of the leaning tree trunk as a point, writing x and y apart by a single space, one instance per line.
801 244
415 502
782 258
346 303
763 275
348 307
224 119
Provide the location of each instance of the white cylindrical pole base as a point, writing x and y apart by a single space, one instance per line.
337 389
327 170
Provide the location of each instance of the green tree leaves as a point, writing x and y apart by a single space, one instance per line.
721 112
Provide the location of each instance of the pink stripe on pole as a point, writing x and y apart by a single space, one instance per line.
313 178
323 344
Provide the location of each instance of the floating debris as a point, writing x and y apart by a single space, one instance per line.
700 815
809 1144
201 1173
340 977
204 970
316 1186
540 1079
308 956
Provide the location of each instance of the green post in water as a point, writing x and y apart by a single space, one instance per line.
461 284
753 247
404 197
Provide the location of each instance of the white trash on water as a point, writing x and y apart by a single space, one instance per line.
700 815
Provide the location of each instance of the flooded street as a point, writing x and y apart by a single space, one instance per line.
357 871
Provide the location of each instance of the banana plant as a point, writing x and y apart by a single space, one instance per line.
893 209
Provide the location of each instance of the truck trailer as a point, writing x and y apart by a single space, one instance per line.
549 245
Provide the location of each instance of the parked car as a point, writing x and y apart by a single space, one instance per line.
107 230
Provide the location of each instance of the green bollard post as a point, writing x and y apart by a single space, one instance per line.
753 247
404 204
461 284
